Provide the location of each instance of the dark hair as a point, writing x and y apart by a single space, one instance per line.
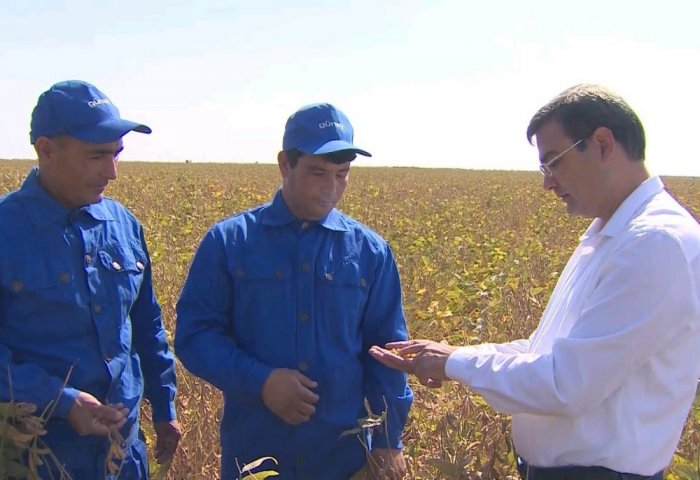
338 157
583 108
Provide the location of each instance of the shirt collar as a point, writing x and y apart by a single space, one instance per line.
276 213
334 221
99 211
44 209
625 212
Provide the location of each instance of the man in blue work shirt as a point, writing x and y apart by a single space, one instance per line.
81 334
279 309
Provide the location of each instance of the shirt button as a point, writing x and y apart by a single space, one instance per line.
303 366
329 277
108 358
303 316
88 259
304 225
17 286
64 277
139 265
97 308
240 272
116 265
363 282
306 266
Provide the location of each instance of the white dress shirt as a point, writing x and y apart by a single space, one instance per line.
610 373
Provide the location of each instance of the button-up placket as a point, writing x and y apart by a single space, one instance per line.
88 234
308 244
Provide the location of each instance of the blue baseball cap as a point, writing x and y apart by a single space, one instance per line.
80 110
318 129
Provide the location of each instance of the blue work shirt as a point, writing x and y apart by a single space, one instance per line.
77 306
267 290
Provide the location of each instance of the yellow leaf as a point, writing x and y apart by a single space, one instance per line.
262 475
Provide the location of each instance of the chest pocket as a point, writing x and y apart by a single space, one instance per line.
28 278
343 290
35 280
259 286
261 307
123 267
346 274
33 288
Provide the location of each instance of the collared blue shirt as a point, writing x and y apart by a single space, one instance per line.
267 290
77 308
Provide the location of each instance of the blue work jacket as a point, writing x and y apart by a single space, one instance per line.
267 290
78 313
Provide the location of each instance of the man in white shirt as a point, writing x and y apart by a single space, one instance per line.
603 386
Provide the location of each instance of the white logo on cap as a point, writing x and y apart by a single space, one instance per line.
328 123
99 101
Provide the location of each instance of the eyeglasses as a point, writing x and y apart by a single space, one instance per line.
546 167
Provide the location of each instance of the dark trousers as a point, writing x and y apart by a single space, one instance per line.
528 472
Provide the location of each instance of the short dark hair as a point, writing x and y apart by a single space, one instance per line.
338 157
583 108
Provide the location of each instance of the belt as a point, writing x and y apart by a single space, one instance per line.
528 472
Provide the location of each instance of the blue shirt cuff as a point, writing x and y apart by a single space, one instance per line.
164 414
65 402
257 378
388 435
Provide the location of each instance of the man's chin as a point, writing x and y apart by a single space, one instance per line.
573 211
324 208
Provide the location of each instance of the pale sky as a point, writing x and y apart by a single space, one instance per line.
432 83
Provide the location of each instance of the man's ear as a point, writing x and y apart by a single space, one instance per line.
604 140
283 163
44 148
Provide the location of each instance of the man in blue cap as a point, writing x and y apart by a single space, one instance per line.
81 334
279 309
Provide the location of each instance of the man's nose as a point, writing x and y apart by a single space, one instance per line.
548 182
110 170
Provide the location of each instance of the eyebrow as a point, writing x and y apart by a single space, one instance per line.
316 169
548 153
105 151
